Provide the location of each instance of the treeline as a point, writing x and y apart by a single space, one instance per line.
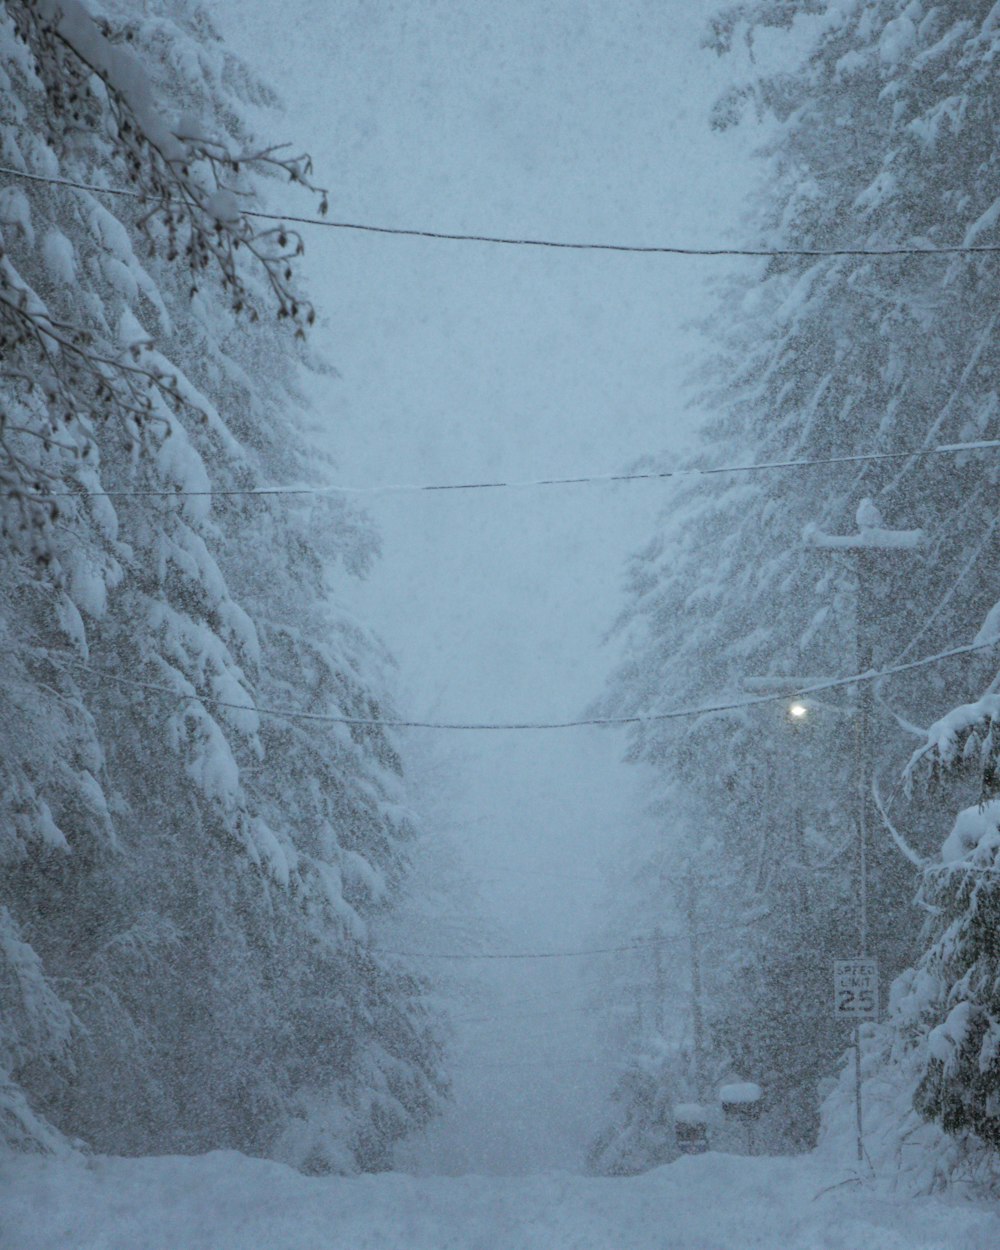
188 888
884 117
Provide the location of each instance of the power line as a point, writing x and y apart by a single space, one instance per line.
499 1017
563 245
942 449
639 944
645 944
532 873
601 721
596 985
547 1063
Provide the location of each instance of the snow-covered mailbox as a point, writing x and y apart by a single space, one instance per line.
742 1101
691 1128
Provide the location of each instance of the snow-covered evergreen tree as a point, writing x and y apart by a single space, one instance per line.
660 997
960 1085
932 1076
884 136
190 889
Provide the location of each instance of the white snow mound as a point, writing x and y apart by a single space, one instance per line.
225 1201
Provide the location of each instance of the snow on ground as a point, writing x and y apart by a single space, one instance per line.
225 1201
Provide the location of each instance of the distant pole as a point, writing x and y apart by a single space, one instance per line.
660 982
697 1021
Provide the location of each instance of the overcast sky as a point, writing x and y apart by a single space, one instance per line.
561 119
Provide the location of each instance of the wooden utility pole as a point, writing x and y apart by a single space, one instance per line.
697 1018
660 982
871 539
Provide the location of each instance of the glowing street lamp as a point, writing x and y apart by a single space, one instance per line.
797 710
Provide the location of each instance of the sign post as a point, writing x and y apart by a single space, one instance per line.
691 1128
742 1101
855 998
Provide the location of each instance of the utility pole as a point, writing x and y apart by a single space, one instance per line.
697 1019
660 982
862 732
871 540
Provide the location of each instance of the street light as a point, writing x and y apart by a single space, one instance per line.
798 711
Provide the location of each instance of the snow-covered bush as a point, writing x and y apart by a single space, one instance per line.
929 1070
639 1133
954 995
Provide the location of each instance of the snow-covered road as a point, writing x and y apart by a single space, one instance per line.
228 1202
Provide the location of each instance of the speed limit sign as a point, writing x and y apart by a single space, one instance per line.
855 989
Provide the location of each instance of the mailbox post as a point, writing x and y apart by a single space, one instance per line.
691 1128
743 1101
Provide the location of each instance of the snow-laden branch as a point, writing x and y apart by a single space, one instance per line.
93 83
899 841
949 736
